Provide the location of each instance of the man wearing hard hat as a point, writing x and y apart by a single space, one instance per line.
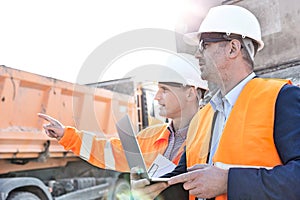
180 91
244 144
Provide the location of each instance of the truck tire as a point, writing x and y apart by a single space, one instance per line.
122 189
20 195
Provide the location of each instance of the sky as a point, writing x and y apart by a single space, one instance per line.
54 38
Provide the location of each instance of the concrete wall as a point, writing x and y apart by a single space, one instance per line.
280 22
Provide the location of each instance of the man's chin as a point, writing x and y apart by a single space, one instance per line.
203 76
163 114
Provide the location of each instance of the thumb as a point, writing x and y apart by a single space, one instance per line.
136 173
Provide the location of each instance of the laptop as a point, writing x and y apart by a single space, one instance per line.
132 149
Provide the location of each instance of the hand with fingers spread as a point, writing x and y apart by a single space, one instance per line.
54 129
203 181
141 188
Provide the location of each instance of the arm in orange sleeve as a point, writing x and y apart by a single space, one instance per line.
107 153
84 144
100 152
71 140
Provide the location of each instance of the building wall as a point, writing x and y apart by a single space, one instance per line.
280 23
280 20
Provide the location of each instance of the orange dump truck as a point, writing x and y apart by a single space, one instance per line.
34 166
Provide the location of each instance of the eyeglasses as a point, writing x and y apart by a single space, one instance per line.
207 38
203 44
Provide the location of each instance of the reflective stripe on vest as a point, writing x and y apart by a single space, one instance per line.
86 148
86 145
228 166
109 158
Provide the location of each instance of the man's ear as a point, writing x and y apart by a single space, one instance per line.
191 93
234 48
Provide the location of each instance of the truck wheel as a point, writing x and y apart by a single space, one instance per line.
20 195
122 190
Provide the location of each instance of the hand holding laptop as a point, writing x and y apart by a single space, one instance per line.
141 188
143 185
134 155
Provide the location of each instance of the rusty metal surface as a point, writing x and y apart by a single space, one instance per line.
23 95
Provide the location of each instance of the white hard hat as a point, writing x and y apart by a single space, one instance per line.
229 19
172 68
187 67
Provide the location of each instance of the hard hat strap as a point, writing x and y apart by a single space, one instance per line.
250 47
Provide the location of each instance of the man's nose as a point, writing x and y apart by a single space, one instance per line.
198 54
157 96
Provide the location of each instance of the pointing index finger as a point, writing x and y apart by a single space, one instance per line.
47 118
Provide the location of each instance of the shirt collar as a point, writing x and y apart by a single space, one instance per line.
235 92
216 101
180 133
165 135
231 96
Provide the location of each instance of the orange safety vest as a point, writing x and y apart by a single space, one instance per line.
109 153
247 138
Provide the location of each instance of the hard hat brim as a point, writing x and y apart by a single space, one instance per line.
192 38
